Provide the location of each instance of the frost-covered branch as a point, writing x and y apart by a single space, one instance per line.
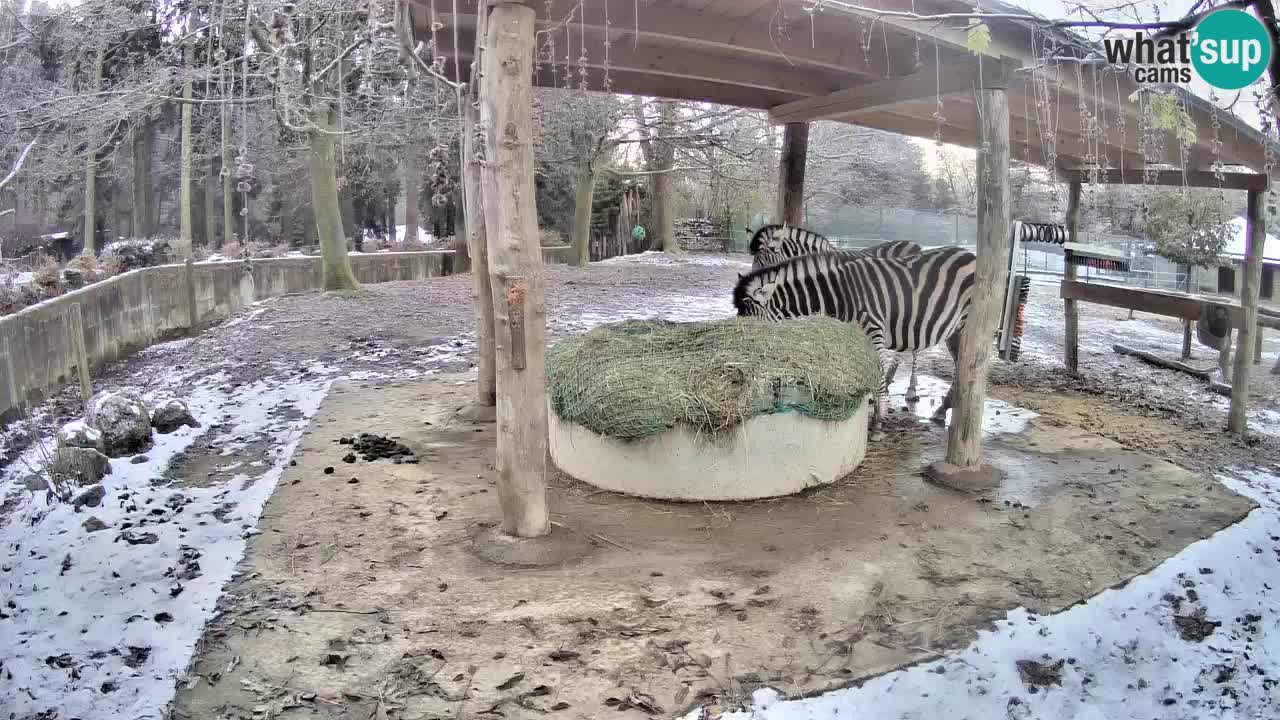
17 165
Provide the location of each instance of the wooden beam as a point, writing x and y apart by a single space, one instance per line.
791 167
1237 418
1192 178
825 49
679 63
506 110
1071 335
964 436
928 83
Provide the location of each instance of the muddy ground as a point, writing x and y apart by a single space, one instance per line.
361 596
404 331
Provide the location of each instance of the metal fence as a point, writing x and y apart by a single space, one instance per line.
860 227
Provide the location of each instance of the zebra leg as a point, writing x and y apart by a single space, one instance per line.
913 393
953 346
888 367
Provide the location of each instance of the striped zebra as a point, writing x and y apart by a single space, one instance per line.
775 243
902 305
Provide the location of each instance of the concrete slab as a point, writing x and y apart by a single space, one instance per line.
364 599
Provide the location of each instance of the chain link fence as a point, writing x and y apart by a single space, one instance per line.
861 227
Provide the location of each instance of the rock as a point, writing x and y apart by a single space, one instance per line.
83 466
171 415
138 459
36 483
90 498
123 421
78 434
93 524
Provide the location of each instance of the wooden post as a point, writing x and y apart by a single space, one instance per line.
193 310
1247 334
1071 335
964 436
1186 339
795 154
82 356
515 260
477 245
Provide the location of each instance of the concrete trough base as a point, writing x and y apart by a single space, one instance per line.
766 456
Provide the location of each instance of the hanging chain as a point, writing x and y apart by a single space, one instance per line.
582 54
608 43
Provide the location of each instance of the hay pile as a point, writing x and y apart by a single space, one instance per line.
640 377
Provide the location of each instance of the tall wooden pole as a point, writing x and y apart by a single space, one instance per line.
515 260
964 437
1247 333
795 154
1071 336
477 247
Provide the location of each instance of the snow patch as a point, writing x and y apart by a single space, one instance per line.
1123 653
104 623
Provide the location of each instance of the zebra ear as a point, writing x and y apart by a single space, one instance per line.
741 274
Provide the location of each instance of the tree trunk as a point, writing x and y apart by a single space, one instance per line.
1251 280
584 192
506 108
791 167
210 203
663 192
964 436
1071 343
350 228
391 218
412 179
122 219
228 187
91 171
142 180
186 225
478 246
322 163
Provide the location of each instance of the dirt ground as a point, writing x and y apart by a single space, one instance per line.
340 571
360 597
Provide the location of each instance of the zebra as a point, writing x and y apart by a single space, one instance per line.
907 304
775 243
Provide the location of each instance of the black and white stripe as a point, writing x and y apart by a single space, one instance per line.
774 243
903 305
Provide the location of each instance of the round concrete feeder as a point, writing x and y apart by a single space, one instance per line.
766 456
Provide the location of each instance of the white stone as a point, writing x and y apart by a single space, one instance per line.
77 433
123 421
766 456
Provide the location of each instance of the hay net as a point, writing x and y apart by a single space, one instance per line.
637 378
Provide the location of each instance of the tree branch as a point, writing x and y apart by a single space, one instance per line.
17 165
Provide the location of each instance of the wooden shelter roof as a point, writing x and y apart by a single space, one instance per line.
847 64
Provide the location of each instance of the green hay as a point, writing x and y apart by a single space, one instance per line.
640 377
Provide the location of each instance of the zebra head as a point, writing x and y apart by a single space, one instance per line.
767 245
753 293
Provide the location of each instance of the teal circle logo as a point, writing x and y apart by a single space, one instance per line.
1231 49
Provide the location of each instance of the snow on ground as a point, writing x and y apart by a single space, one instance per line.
658 257
103 623
1198 637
